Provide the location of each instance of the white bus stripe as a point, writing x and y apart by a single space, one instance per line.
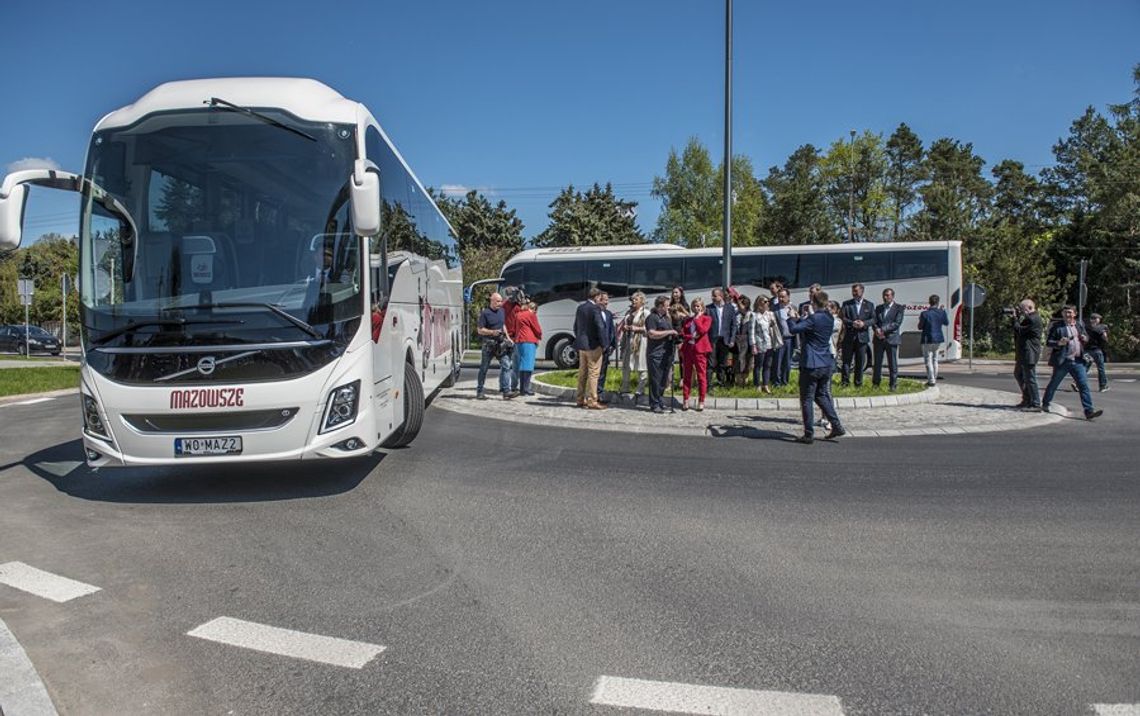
1116 709
286 642
43 584
714 700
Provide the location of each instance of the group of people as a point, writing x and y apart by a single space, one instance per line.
509 332
1075 348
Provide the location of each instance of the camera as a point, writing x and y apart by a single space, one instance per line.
1010 311
516 294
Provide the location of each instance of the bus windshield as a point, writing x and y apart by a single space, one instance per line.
241 211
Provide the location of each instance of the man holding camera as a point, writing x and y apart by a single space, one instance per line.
1027 327
493 334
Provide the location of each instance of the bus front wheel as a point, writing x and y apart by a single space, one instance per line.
565 354
413 410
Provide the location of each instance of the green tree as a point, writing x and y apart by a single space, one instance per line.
596 218
692 200
905 171
797 206
854 180
956 198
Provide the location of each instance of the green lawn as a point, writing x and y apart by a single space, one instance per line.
569 379
18 381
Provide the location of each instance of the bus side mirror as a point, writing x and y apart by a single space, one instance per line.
365 198
12 217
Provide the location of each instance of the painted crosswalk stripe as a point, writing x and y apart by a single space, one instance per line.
1116 709
714 700
286 642
43 584
33 401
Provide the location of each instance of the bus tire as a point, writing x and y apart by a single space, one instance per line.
565 354
413 410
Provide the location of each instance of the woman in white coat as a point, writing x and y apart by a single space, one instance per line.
633 344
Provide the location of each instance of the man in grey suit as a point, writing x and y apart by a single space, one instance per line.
888 321
857 314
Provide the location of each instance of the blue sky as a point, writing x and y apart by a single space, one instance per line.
520 98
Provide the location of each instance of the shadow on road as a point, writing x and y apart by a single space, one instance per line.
63 466
741 428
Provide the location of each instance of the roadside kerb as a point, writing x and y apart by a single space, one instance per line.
876 401
956 410
22 692
31 396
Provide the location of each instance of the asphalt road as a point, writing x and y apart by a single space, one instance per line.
505 568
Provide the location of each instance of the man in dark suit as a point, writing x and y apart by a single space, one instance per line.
722 335
857 315
609 343
589 335
1027 329
1069 341
816 367
888 321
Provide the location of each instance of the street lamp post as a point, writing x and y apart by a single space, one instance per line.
851 190
727 253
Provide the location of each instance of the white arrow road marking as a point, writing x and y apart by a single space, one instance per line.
713 700
43 584
286 642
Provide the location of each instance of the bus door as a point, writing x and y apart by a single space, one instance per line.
383 386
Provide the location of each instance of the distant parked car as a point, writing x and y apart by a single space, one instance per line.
38 340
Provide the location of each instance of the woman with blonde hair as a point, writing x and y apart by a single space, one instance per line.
632 339
762 343
695 353
527 335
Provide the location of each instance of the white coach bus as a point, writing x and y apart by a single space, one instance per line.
557 279
262 277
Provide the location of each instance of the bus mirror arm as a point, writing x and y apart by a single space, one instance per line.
365 198
14 196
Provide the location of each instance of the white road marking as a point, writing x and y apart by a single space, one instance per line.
43 584
286 642
1116 709
1125 380
714 700
33 401
21 689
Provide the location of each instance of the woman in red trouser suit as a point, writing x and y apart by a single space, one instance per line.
695 353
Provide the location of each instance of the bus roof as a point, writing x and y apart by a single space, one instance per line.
301 97
634 251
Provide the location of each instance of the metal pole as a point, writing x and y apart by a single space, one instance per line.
63 311
728 143
1082 292
971 336
27 339
851 190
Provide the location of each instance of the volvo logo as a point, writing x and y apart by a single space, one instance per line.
206 365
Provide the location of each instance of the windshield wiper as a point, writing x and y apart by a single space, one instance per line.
159 322
254 304
215 102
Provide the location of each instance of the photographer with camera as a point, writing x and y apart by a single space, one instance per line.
513 299
1068 340
1027 328
496 343
661 338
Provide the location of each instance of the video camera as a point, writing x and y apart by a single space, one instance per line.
516 294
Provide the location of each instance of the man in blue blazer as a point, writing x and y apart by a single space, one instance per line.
722 336
930 324
816 367
609 343
857 314
1069 340
589 336
888 321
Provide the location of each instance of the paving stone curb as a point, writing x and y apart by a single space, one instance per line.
959 410
876 401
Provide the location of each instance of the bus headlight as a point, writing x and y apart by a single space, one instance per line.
92 422
342 406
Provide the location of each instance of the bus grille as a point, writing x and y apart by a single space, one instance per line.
212 422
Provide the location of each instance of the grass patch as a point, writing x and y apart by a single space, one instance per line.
569 379
18 381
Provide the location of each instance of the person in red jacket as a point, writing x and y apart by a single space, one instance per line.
527 335
695 353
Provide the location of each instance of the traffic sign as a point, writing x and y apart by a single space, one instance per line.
973 295
26 286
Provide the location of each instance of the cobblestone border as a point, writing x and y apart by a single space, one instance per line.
876 401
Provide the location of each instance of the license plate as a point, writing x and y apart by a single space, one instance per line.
192 447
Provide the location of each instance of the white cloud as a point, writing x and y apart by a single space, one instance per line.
32 163
453 190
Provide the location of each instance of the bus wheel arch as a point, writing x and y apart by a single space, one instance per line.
563 353
414 407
